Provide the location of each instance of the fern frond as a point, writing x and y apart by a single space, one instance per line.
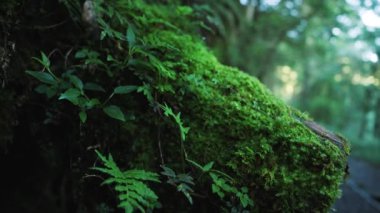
142 175
183 182
133 192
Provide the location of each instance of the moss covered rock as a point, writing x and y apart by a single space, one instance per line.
234 120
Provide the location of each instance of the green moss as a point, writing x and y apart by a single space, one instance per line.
234 120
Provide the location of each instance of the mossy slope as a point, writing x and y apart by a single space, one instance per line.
235 121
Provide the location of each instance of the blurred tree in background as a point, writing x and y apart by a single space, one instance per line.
320 56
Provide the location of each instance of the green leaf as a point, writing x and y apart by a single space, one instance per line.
45 60
93 102
142 175
131 37
43 77
244 189
183 130
186 178
94 87
42 89
49 91
76 81
184 10
168 172
103 35
115 112
102 157
118 35
147 91
124 89
110 58
52 91
169 113
195 164
83 116
127 206
81 54
133 193
217 190
184 189
71 95
208 167
244 201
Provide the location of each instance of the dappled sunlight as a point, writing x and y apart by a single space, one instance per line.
288 82
370 18
365 80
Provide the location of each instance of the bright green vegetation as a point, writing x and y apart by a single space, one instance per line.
133 192
158 97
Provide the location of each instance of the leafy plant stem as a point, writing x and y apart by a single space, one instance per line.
108 99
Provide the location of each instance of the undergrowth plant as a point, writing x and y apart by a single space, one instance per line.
177 118
223 186
133 192
183 182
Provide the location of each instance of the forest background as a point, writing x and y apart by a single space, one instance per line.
319 56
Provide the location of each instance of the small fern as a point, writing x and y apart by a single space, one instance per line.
133 193
177 118
183 182
222 185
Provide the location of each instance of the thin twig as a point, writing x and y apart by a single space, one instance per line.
67 56
92 176
159 132
46 27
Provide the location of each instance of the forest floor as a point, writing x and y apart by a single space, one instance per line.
361 191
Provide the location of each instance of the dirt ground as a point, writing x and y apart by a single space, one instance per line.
361 192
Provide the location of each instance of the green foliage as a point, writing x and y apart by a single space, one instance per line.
183 182
89 56
177 118
206 168
43 77
124 89
114 112
93 87
134 194
147 91
71 88
71 95
222 185
131 37
48 78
